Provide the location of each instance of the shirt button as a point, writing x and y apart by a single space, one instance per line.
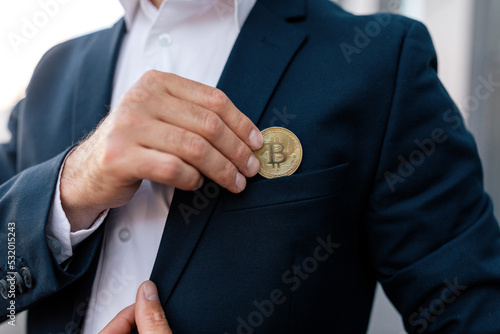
124 234
55 246
164 39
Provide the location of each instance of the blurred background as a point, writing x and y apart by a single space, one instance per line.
466 35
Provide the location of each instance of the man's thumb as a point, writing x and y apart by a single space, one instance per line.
149 315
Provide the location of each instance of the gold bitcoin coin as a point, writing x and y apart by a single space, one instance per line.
281 153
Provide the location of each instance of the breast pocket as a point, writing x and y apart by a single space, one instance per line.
288 189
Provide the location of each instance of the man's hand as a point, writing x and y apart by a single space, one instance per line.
147 314
166 129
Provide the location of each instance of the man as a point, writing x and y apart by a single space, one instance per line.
389 187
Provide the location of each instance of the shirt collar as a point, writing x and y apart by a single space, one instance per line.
240 8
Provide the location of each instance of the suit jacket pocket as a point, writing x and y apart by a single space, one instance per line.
287 189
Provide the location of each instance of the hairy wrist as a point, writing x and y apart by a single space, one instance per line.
76 196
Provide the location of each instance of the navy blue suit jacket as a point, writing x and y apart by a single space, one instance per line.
389 189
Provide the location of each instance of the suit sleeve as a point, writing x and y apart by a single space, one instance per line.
432 236
58 228
25 201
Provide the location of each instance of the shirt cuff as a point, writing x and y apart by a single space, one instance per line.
60 239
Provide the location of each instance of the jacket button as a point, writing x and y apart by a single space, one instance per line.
4 288
27 277
19 283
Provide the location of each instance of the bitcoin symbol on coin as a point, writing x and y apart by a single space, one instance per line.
277 154
281 153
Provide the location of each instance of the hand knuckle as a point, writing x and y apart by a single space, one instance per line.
151 76
217 99
213 125
177 138
196 147
227 174
168 76
136 94
170 169
125 125
241 123
241 153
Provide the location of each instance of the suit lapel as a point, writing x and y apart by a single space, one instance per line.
264 48
95 82
262 52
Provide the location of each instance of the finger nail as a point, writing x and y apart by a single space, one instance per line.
256 139
253 165
150 291
200 183
241 182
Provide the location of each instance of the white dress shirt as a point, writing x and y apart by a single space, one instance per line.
192 39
